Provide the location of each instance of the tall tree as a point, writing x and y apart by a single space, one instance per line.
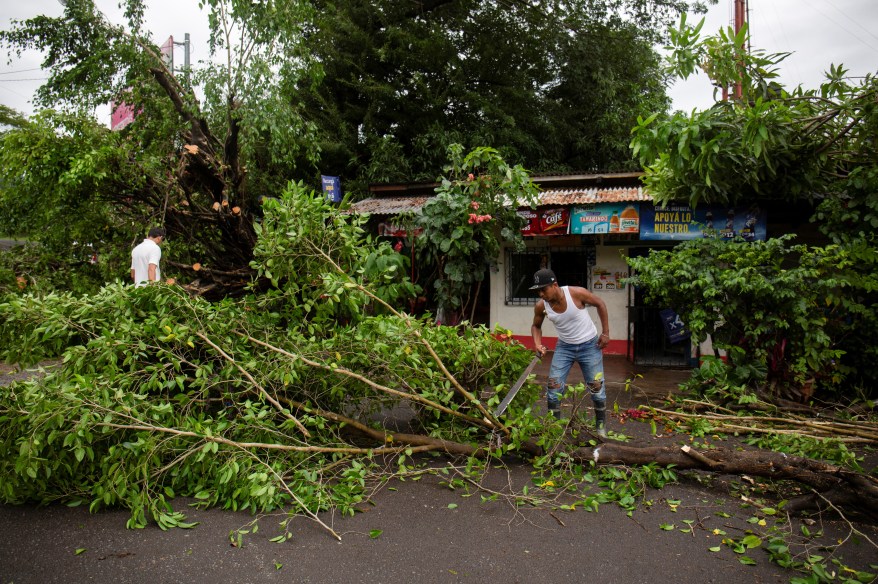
551 85
816 148
198 168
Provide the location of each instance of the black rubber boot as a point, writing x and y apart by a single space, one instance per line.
600 418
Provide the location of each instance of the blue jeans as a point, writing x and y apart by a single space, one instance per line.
591 362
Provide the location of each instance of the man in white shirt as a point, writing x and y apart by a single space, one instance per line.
145 258
578 341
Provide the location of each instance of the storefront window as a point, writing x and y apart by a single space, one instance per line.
572 266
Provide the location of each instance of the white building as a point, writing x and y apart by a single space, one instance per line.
584 229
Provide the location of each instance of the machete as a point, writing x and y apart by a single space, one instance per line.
516 386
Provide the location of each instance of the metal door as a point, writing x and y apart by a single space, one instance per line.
648 342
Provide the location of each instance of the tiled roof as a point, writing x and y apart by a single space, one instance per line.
593 195
389 205
396 205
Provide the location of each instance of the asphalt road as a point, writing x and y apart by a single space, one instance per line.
428 533
422 540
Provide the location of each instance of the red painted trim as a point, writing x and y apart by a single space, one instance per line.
614 347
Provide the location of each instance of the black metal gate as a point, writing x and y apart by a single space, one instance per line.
648 342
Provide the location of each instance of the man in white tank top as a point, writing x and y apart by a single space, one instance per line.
578 341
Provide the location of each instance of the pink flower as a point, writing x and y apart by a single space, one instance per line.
473 218
475 205
397 247
470 177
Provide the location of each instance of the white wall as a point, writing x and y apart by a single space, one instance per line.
611 260
518 318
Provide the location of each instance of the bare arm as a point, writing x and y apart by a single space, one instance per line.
583 298
132 276
536 329
150 273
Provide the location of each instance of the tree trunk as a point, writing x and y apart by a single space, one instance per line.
209 204
851 491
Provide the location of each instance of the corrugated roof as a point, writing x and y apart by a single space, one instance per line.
592 195
397 205
389 205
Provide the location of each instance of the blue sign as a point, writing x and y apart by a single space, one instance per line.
681 222
675 328
331 188
605 218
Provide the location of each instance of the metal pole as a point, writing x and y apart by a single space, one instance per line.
186 55
185 44
740 19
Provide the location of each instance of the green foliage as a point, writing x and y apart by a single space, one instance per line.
162 395
28 268
722 382
52 167
318 259
90 72
793 312
471 216
248 89
145 409
820 449
778 309
196 166
805 144
726 58
402 84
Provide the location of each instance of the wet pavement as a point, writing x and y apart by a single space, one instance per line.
414 531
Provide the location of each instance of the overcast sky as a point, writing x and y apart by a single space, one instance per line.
818 33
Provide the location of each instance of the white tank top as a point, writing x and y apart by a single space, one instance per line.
574 325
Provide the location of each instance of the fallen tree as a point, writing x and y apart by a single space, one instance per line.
295 398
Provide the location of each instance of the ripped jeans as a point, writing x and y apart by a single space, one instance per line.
591 362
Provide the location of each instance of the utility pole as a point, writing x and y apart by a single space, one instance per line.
740 19
185 45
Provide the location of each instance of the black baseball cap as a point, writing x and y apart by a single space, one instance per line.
543 278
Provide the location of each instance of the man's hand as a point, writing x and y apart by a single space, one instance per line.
541 350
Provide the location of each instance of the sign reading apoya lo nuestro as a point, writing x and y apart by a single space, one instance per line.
605 218
681 222
545 221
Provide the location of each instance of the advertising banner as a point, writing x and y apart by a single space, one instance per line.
545 221
532 225
554 221
331 188
605 280
675 328
122 115
682 222
605 218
